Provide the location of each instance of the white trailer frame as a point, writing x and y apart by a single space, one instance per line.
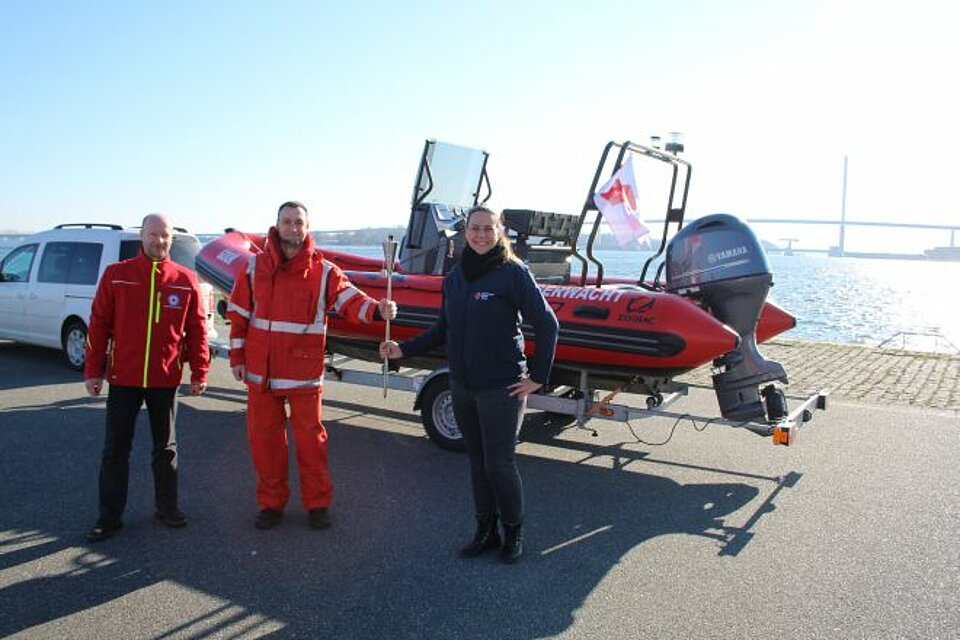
432 398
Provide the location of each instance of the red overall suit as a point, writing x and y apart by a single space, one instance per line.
278 323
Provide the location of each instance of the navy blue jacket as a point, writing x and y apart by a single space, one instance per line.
480 324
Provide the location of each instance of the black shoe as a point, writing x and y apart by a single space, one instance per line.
487 537
268 518
319 518
512 543
101 532
173 518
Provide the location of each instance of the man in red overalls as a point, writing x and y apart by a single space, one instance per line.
278 321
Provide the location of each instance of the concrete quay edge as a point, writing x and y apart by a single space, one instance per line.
862 373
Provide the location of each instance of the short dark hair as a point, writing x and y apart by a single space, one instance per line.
292 203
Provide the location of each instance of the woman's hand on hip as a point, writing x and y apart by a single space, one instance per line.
524 388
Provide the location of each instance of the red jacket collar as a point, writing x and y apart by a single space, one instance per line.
306 253
147 261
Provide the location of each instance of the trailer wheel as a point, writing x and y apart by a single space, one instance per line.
436 412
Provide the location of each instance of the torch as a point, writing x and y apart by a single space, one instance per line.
389 256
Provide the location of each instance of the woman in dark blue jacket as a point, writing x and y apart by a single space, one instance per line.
484 298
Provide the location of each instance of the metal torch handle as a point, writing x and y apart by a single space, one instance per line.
386 361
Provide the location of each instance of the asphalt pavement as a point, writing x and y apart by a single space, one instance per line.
850 533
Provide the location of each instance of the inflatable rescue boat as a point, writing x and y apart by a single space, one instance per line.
617 333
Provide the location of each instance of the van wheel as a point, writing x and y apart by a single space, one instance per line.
436 412
75 344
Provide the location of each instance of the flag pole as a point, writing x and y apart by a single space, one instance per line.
389 256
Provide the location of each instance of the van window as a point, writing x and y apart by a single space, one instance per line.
85 266
55 263
70 262
129 249
16 266
183 250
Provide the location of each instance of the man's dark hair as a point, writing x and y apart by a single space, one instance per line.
292 203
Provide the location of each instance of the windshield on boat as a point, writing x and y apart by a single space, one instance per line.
450 175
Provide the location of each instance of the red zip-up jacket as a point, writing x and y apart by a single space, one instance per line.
278 316
145 314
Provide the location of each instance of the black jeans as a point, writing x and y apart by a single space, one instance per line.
489 421
123 405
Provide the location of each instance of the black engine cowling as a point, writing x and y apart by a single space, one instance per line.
719 260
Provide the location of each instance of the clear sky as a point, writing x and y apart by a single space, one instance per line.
216 112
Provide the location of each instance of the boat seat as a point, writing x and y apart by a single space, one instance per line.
544 240
556 227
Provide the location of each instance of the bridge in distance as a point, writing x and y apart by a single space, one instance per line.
948 252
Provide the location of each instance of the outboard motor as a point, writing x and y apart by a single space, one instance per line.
718 260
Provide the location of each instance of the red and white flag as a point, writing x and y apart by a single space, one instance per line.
617 202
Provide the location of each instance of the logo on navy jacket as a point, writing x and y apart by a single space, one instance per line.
173 301
482 295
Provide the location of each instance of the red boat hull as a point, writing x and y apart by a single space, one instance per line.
616 333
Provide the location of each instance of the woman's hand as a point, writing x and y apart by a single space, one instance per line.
390 350
524 388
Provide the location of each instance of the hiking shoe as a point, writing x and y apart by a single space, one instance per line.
268 518
173 518
101 532
319 518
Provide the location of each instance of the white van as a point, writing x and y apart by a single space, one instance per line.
47 283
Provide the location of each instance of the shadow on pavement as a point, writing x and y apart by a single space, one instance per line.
24 365
386 569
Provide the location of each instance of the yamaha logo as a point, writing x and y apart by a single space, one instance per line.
173 300
726 254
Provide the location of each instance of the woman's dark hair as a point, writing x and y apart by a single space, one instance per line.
503 241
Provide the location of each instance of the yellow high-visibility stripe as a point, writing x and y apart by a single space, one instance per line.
146 351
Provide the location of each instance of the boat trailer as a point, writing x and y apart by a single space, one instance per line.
432 397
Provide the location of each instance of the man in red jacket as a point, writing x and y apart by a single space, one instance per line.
146 313
278 322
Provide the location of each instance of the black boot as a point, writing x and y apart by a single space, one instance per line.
486 537
512 543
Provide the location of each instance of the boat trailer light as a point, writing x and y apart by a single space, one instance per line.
786 430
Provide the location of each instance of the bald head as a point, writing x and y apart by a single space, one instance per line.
153 218
156 233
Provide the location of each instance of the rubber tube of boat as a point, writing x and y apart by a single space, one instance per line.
389 255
